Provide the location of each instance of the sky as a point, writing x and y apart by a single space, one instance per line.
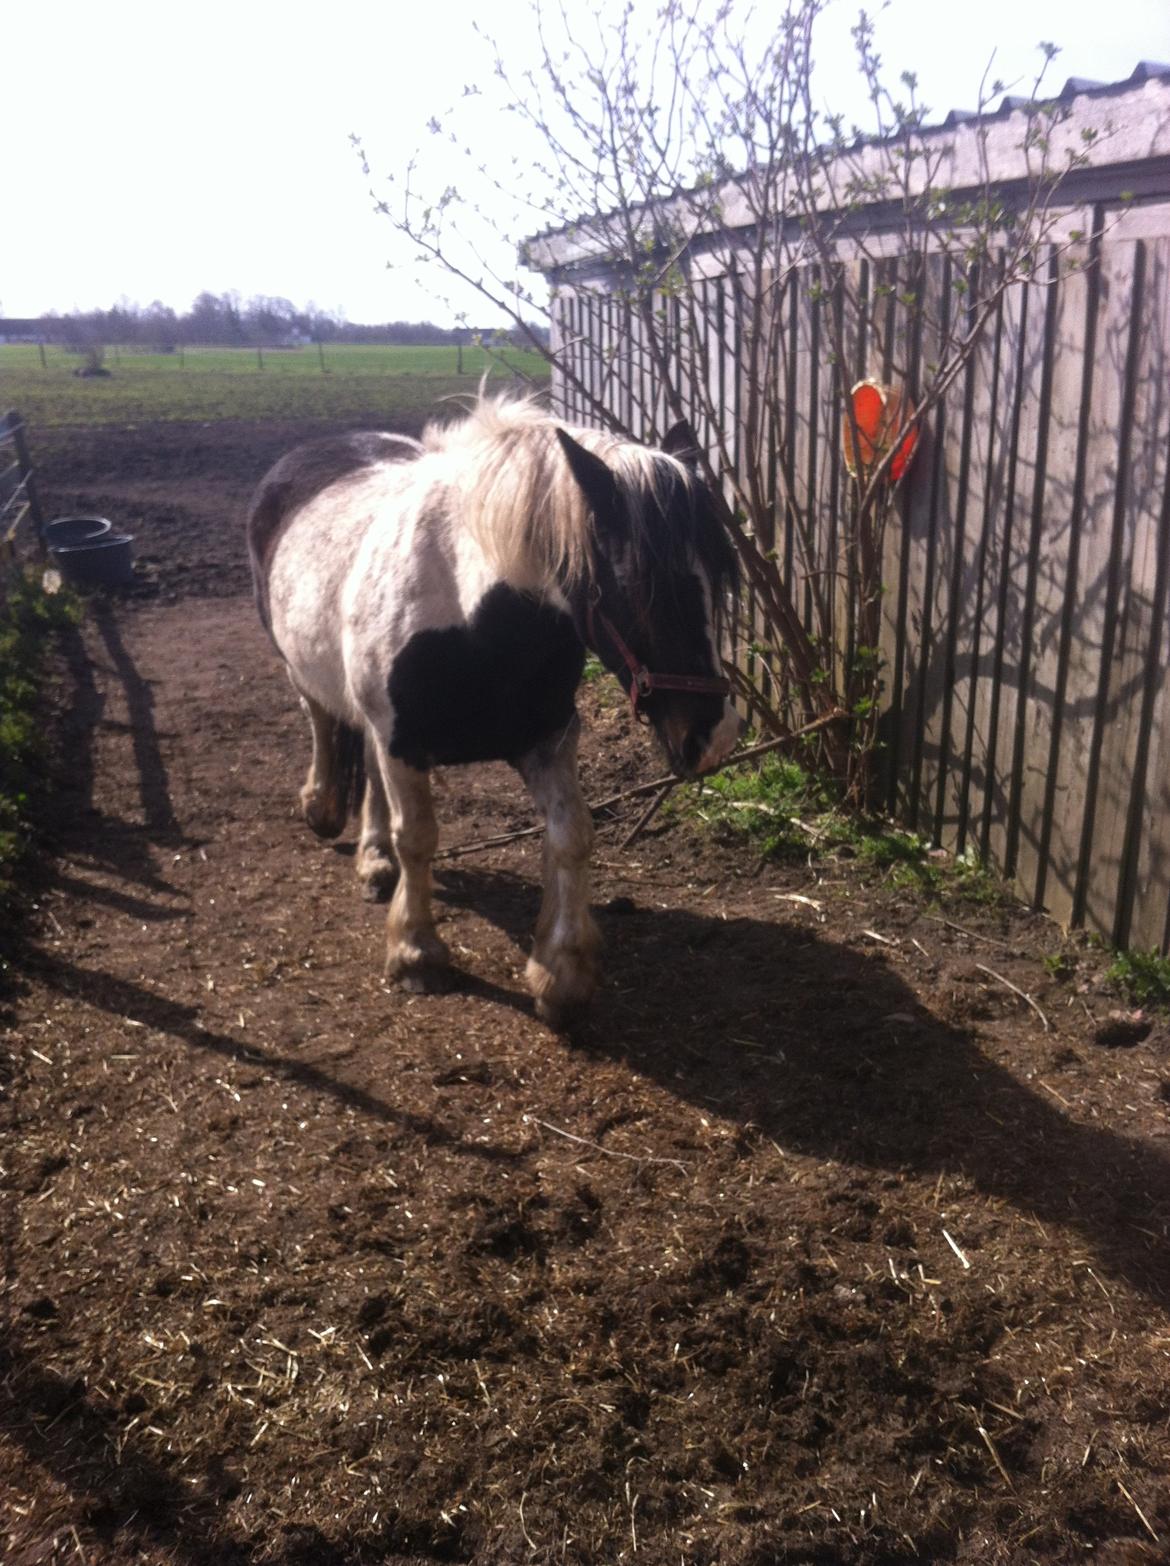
155 151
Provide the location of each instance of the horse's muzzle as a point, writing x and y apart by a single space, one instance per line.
696 752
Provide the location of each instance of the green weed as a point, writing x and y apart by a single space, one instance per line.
29 617
762 803
966 878
785 812
1144 977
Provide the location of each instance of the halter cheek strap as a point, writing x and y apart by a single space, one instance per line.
642 682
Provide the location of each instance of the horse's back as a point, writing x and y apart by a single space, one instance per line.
299 478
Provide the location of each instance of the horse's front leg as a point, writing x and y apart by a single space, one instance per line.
562 971
413 948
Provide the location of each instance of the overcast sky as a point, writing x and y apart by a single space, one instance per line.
153 151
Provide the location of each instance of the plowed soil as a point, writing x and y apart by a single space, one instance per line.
814 1242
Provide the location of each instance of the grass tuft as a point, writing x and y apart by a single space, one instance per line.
29 618
1144 977
766 803
787 813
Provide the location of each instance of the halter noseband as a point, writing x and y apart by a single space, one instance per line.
642 682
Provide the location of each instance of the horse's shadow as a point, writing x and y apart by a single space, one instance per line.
827 1051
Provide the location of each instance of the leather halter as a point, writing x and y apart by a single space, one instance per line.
643 683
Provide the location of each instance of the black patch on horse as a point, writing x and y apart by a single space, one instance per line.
299 477
489 690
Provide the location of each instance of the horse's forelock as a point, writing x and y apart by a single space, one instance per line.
517 494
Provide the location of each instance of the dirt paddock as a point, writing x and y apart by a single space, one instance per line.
812 1243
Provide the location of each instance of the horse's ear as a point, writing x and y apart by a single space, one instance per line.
597 482
682 442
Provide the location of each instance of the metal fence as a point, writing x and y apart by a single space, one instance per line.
20 511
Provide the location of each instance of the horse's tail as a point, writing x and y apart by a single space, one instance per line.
350 762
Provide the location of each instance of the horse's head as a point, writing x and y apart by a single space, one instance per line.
662 568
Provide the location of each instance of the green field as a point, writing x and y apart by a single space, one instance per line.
202 384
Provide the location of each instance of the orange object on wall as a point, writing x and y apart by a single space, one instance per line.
880 415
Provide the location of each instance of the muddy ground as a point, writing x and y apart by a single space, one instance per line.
813 1243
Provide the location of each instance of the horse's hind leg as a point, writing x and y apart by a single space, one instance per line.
413 948
376 867
325 793
562 971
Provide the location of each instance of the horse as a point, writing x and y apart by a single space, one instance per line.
434 602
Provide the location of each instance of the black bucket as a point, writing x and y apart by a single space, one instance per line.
67 531
101 559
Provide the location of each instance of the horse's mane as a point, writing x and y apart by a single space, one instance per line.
531 517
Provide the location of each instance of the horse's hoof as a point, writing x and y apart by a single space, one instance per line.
320 818
378 880
560 1016
563 990
419 967
378 874
425 980
553 1016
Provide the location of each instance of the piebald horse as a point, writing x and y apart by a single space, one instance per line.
434 601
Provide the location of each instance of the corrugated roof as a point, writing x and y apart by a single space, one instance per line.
1134 140
1074 87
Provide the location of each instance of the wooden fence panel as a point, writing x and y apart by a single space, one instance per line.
995 413
1138 538
945 452
1094 601
808 536
892 338
828 491
1023 771
1148 844
953 435
643 381
756 381
1026 621
1029 320
1117 717
1042 789
974 480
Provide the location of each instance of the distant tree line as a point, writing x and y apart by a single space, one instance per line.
228 320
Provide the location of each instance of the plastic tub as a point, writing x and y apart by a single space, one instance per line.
103 560
64 532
